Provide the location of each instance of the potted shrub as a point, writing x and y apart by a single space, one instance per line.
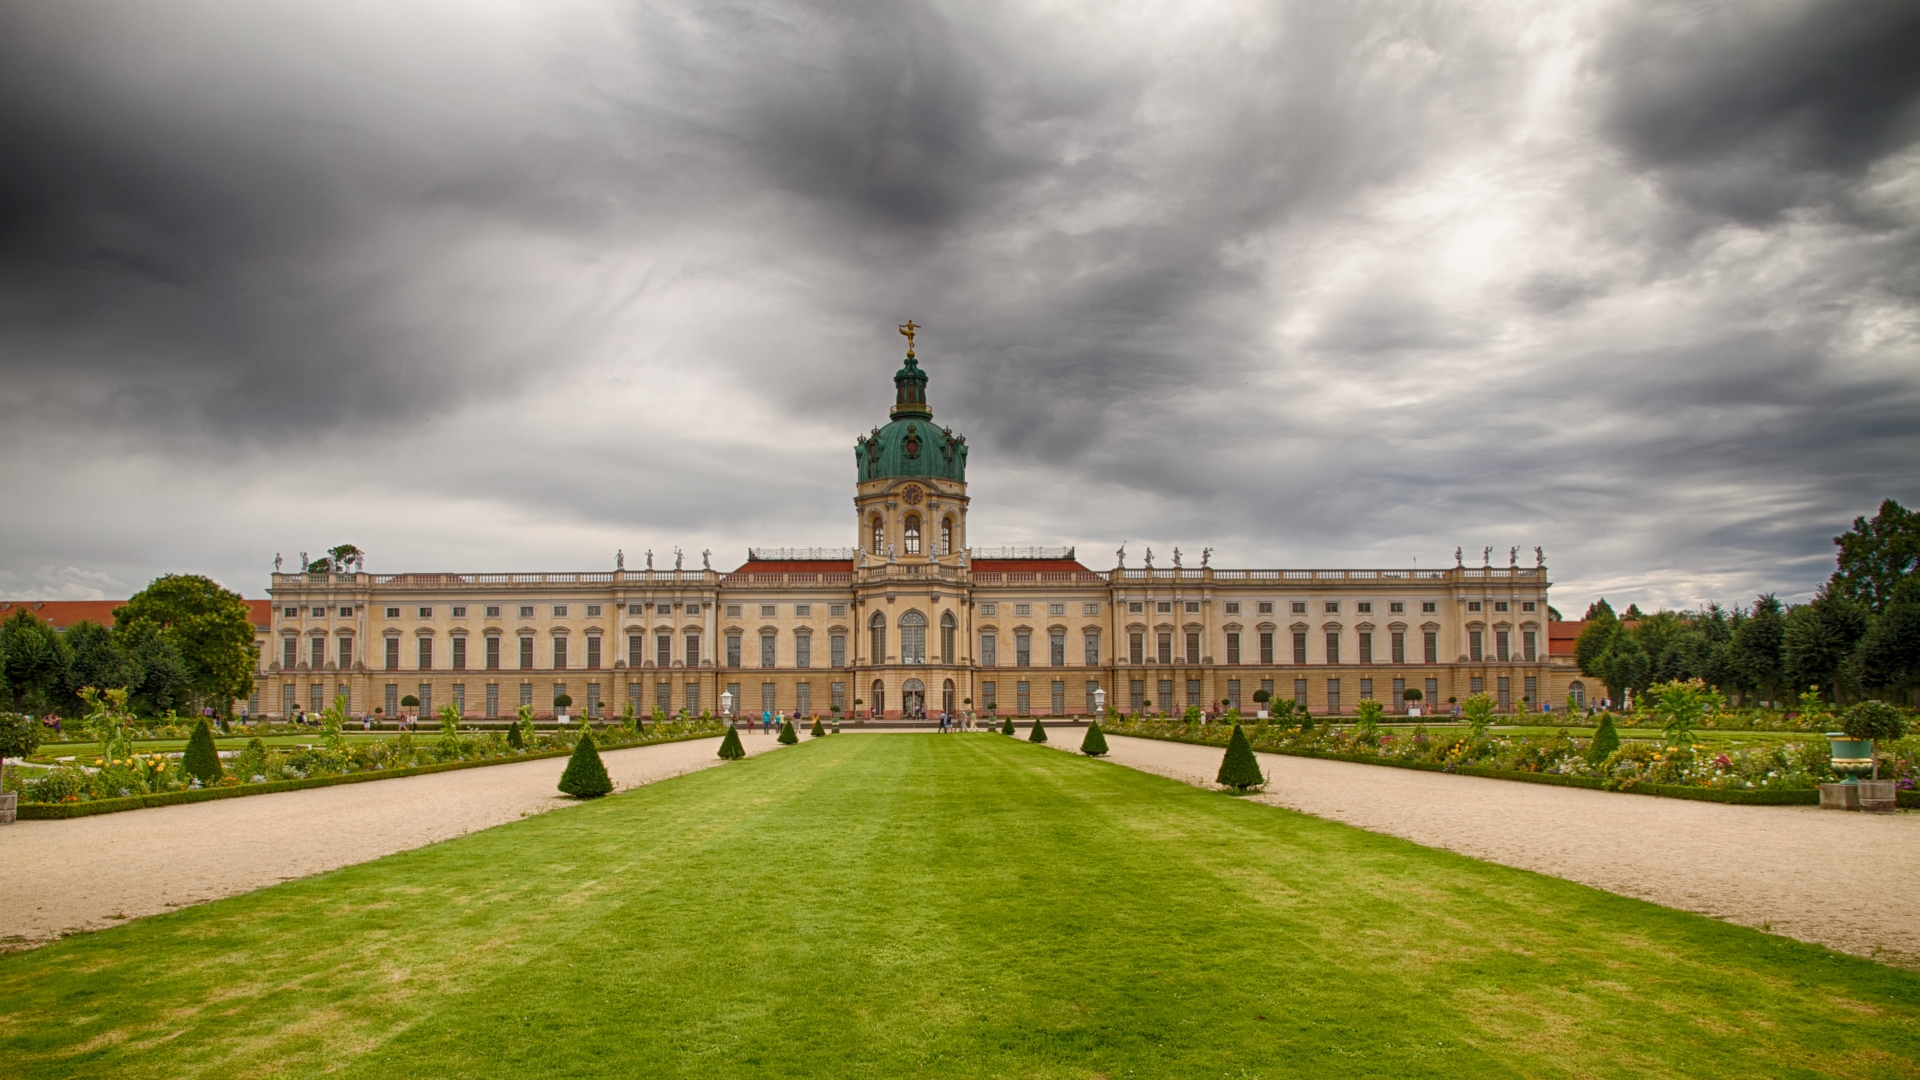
560 703
1260 698
1852 746
1414 697
857 718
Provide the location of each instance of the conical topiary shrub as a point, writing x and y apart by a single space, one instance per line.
1006 726
1095 744
730 747
586 776
817 731
514 738
201 761
788 736
1039 732
1240 769
1605 740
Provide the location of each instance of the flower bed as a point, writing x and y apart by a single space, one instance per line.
158 779
1783 774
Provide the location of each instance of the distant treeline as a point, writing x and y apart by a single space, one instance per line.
1858 637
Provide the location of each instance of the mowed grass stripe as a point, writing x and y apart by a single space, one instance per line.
941 905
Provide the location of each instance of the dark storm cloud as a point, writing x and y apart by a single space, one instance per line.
1310 283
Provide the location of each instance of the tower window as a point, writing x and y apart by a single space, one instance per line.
913 534
946 537
879 536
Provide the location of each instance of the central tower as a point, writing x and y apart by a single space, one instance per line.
910 579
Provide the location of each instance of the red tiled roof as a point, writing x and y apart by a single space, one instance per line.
61 614
1561 636
996 566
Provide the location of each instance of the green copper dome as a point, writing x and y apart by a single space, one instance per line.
911 445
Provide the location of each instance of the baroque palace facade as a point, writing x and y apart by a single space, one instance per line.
912 618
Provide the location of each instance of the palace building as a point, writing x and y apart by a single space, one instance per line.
912 618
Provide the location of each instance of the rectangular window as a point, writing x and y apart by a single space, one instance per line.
663 697
426 613
1057 648
1366 690
1433 694
1267 685
317 697
1476 684
393 613
1023 651
1333 695
803 611
693 651
768 697
1166 695
837 611
1265 607
1059 698
1164 607
1333 607
1233 647
425 648
1333 646
1091 647
493 700
663 609
803 699
1089 609
692 697
426 699
663 650
989 695
1233 692
1427 607
733 650
1136 648
1164 650
1299 646
460 698
1364 607
345 652
1266 647
768 611
1473 605
803 650
459 612
989 610
593 652
459 653
839 692
1502 650
1475 648
493 652
559 654
526 654
693 609
989 650
526 611
1430 646
1136 607
1138 690
1396 608
1532 687
1233 607
1193 646
1193 607
769 645
1193 691
493 611
392 698
317 652
559 611
733 611
1528 646
1499 605
526 693
1504 693
593 693
294 612
1022 611
1398 645
1399 695
1300 694
837 650
1056 609
1366 646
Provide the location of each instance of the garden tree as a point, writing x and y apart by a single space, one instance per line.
787 735
1039 732
208 625
586 776
1478 712
1261 697
1595 637
1095 744
1366 725
1875 720
817 731
1818 640
202 759
1889 653
1006 726
157 676
1755 657
1632 614
19 736
1624 666
35 662
1604 742
96 658
1239 769
1876 555
730 747
514 738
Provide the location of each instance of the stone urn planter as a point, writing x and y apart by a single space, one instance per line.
1853 759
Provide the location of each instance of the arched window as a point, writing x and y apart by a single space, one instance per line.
913 638
913 534
877 628
879 706
1577 694
946 536
879 536
947 626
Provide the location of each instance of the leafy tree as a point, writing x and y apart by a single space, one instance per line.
1095 744
202 759
19 736
1756 647
35 661
1818 640
1889 652
1605 740
788 736
1239 768
730 747
208 625
1876 555
96 657
157 676
408 701
1874 720
1595 638
1039 732
1624 666
586 776
1262 696
1632 614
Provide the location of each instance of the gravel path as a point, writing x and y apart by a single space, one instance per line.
86 873
1845 881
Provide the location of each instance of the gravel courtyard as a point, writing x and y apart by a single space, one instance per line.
86 873
1841 880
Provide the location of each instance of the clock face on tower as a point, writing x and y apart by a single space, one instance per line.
911 495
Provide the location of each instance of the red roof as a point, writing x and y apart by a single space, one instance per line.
1561 635
61 614
996 566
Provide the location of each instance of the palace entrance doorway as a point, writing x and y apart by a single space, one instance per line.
913 697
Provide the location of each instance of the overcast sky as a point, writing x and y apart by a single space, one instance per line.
506 285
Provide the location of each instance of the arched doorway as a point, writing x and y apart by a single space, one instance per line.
946 697
913 697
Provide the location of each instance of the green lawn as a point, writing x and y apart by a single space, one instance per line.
895 905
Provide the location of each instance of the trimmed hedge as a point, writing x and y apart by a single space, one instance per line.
1732 796
61 811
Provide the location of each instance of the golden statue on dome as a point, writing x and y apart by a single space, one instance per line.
907 328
